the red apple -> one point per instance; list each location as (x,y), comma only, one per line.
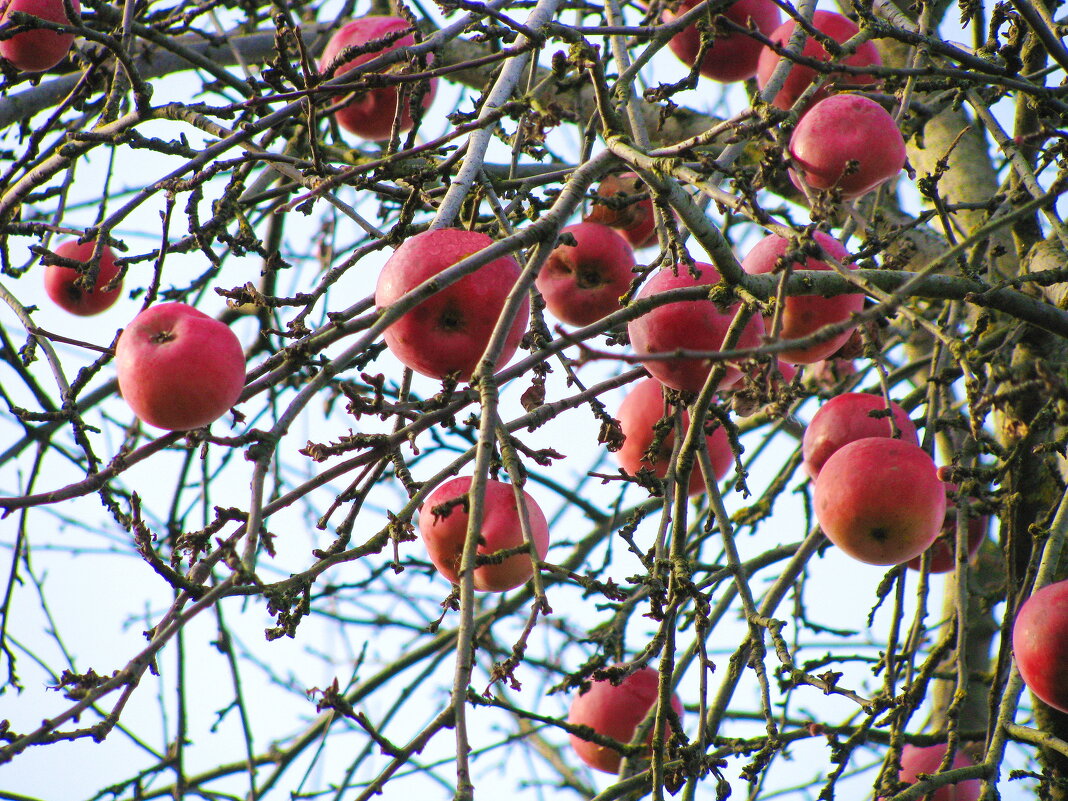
(916,760)
(614,710)
(370,113)
(443,527)
(838,28)
(880,500)
(732,56)
(803,315)
(943,550)
(179,368)
(846,142)
(63,286)
(582,283)
(848,417)
(640,411)
(449,331)
(688,325)
(1040,644)
(37,49)
(631,210)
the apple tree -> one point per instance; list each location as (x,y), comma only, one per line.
(546,398)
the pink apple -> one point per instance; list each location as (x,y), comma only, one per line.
(838,28)
(37,49)
(943,549)
(638,414)
(179,368)
(803,315)
(63,286)
(1040,644)
(370,113)
(917,759)
(848,417)
(631,209)
(732,56)
(614,710)
(449,331)
(687,325)
(880,500)
(846,142)
(582,283)
(443,526)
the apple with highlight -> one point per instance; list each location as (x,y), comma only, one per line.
(448,332)
(178,368)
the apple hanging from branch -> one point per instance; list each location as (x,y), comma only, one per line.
(178,368)
(64,284)
(443,521)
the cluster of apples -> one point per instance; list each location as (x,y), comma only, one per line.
(36,49)
(878,495)
(845,142)
(178,368)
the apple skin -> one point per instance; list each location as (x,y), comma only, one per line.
(444,536)
(583,283)
(614,711)
(37,50)
(880,500)
(733,57)
(688,325)
(1040,644)
(179,368)
(449,331)
(916,760)
(803,315)
(636,221)
(839,130)
(846,418)
(639,412)
(943,549)
(370,114)
(837,27)
(61,283)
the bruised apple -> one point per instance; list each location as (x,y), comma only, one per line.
(848,417)
(370,113)
(443,526)
(582,283)
(449,331)
(638,415)
(1040,644)
(614,710)
(943,549)
(628,209)
(837,27)
(927,759)
(846,142)
(178,368)
(880,500)
(36,49)
(733,55)
(698,325)
(803,315)
(63,283)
